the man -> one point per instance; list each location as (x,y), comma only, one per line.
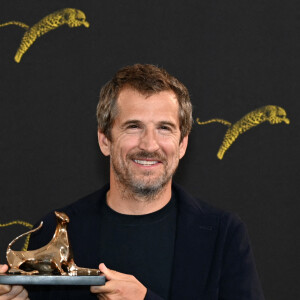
(161,242)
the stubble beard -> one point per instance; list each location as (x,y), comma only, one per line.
(142,185)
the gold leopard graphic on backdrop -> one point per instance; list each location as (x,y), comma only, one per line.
(271,113)
(69,16)
(26,224)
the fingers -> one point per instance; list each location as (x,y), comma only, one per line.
(109,288)
(17,292)
(4,289)
(120,289)
(21,296)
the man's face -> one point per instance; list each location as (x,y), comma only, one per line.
(145,147)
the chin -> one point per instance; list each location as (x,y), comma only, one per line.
(148,189)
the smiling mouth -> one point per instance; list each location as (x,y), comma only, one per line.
(146,162)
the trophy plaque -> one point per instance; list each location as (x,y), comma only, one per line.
(52,264)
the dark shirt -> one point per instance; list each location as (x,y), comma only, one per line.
(142,245)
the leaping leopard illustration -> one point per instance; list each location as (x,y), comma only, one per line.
(271,113)
(70,16)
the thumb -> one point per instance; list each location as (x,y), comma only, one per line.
(107,272)
(3,268)
(111,274)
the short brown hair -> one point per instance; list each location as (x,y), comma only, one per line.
(146,79)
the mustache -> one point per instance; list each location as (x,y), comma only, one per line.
(147,155)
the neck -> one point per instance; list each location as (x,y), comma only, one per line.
(124,201)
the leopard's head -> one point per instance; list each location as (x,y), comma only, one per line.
(75,17)
(61,217)
(276,114)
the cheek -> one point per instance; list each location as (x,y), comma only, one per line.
(170,148)
(125,145)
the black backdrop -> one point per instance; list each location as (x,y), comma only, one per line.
(234,56)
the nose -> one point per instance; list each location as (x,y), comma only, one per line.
(148,141)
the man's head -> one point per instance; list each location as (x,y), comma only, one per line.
(147,80)
(144,117)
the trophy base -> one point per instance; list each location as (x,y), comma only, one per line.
(51,280)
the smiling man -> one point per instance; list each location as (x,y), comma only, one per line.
(157,241)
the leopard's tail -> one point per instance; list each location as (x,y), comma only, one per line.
(20,24)
(19,222)
(26,233)
(224,122)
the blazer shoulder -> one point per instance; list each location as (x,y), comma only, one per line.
(88,204)
(201,208)
(86,208)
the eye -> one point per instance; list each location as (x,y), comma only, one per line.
(165,128)
(132,126)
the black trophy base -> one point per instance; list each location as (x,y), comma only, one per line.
(51,280)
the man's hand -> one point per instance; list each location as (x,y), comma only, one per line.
(12,292)
(119,286)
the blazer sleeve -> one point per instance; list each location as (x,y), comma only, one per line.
(239,279)
(152,296)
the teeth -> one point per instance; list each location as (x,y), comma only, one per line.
(146,162)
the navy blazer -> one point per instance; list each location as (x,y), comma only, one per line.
(212,256)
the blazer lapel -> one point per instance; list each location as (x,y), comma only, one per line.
(194,248)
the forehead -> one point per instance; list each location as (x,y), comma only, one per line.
(158,106)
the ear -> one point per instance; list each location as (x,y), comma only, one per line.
(183,146)
(104,143)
